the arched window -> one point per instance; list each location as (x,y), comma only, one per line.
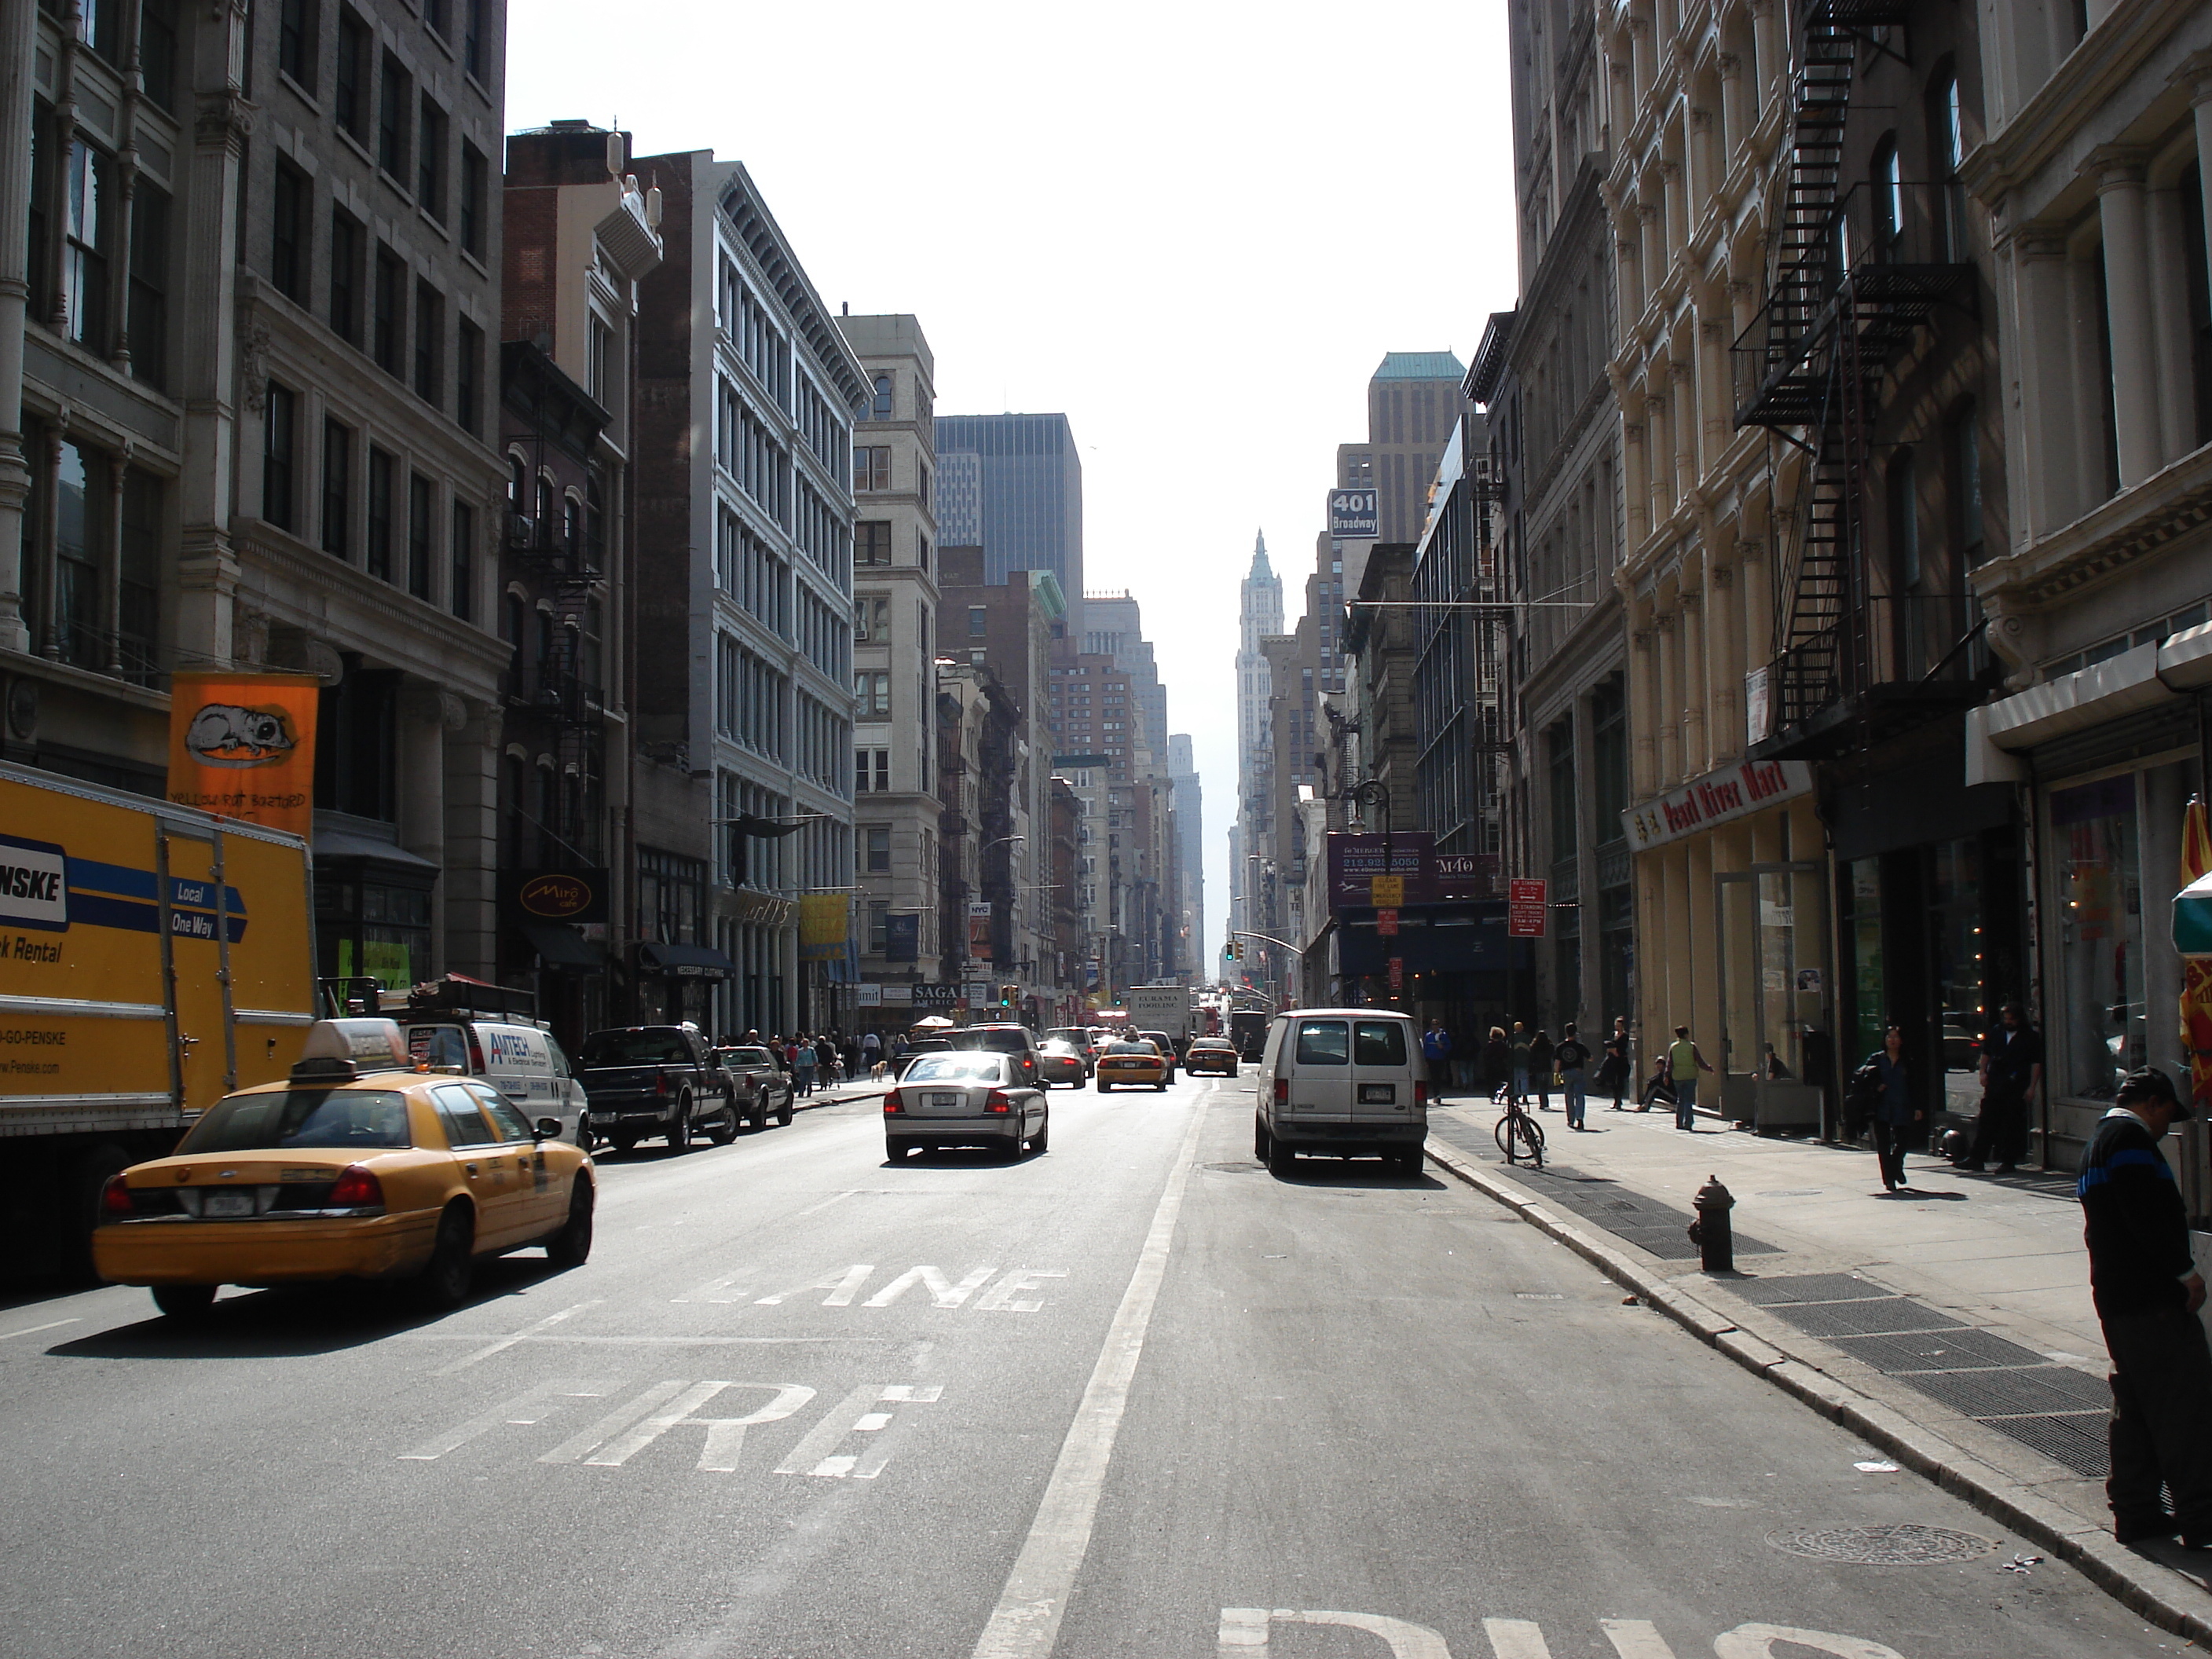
(1947,133)
(518,484)
(882,411)
(572,523)
(1888,183)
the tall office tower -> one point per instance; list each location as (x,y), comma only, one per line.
(1259,614)
(895,609)
(1026,483)
(747,396)
(1413,403)
(1114,628)
(1190,858)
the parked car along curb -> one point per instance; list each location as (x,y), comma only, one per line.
(2165,1597)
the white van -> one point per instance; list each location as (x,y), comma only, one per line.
(522,1061)
(1339,1082)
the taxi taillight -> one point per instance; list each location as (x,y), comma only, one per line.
(894,1103)
(356,1189)
(996,1101)
(115,1201)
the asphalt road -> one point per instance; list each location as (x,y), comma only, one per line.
(1131,1397)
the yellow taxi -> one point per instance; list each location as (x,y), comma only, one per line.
(1129,1060)
(361,1166)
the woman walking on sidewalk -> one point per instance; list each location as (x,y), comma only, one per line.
(1541,1062)
(1893,1112)
(1572,1056)
(1614,1073)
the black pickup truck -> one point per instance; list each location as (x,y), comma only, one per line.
(664,1080)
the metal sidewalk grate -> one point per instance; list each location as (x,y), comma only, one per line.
(1938,1351)
(1807,1287)
(2040,1391)
(2076,1440)
(1884,1315)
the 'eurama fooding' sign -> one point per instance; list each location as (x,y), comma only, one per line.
(1733,791)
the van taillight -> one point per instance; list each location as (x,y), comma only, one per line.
(476,1054)
(1420,1094)
(894,1103)
(996,1101)
(1282,1091)
(356,1189)
(115,1200)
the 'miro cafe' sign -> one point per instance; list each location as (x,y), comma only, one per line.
(1730,793)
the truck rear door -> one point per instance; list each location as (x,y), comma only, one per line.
(199,920)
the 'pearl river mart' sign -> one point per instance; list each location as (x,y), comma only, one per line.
(1733,791)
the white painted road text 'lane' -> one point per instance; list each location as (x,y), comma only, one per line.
(1244,1634)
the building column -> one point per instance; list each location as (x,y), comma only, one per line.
(2045,459)
(1669,702)
(1643,744)
(17,47)
(1724,643)
(2121,215)
(1696,683)
(45,557)
(111,564)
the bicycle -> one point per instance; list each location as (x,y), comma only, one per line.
(1518,1134)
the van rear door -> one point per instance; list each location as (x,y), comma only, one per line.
(1320,1068)
(1382,1070)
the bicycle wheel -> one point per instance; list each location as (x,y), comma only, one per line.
(1532,1135)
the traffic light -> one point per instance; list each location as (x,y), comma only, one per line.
(1008,995)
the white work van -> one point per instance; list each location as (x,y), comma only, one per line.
(521,1060)
(1341,1082)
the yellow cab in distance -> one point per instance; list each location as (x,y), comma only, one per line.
(363,1165)
(1131,1060)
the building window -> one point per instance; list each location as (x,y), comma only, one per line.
(474,174)
(1888,197)
(429,342)
(871,770)
(84,252)
(289,202)
(871,621)
(874,692)
(439,14)
(2100,915)
(979,621)
(419,497)
(295,41)
(393,90)
(468,377)
(277,438)
(383,478)
(148,320)
(1966,486)
(876,841)
(473,45)
(351,83)
(430,160)
(461,553)
(345,276)
(599,350)
(882,411)
(872,543)
(872,466)
(879,926)
(390,324)
(157,51)
(338,490)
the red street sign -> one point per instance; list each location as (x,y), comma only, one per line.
(1524,907)
(1386,922)
(1397,974)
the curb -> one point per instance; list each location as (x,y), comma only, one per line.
(2165,1597)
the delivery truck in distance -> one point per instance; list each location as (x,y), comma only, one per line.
(153,958)
(1160,1008)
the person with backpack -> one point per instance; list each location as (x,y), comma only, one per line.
(1571,1057)
(1882,1089)
(1684,1062)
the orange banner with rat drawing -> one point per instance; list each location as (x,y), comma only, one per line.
(244,745)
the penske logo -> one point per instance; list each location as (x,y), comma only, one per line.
(34,884)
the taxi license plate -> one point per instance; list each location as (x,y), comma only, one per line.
(227,1204)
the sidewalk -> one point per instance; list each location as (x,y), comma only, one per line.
(1949,1323)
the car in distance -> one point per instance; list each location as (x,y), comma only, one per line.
(1084,1041)
(1165,1044)
(1061,1062)
(358,1166)
(1002,1037)
(1215,1054)
(1129,1061)
(973,1099)
(656,1080)
(757,1081)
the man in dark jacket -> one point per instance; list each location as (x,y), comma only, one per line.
(2147,1291)
(2012,1071)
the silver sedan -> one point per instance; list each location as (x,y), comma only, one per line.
(972,1099)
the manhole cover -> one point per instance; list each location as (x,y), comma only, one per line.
(1906,1545)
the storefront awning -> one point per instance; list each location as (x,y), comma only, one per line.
(2136,679)
(560,946)
(2192,918)
(684,961)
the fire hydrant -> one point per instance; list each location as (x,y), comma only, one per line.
(1711,1232)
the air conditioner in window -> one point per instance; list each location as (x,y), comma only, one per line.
(521,530)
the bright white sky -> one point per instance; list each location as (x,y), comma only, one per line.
(1194,229)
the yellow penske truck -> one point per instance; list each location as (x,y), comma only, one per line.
(152,959)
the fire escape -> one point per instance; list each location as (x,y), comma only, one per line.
(1860,269)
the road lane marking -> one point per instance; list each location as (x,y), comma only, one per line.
(539,1403)
(1025,1624)
(943,1292)
(506,1342)
(33,1330)
(816,1456)
(726,1436)
(705,1293)
(842,1288)
(580,1446)
(816,1209)
(1245,1632)
(1757,1641)
(1635,1638)
(997,1299)
(1515,1638)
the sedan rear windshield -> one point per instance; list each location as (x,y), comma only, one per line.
(337,1118)
(957,1068)
(746,1057)
(635,1048)
(1003,1042)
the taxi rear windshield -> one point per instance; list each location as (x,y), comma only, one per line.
(635,1048)
(337,1118)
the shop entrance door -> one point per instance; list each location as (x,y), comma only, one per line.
(1774,1044)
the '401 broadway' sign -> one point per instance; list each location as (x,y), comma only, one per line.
(1730,793)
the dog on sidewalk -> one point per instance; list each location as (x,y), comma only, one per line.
(879,1071)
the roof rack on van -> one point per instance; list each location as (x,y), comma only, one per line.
(457,994)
